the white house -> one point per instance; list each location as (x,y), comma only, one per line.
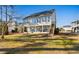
(11,26)
(66,29)
(75,26)
(40,22)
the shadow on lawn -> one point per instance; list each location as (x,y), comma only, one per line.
(27,50)
(33,47)
(39,47)
(34,44)
(34,36)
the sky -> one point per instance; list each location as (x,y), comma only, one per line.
(65,14)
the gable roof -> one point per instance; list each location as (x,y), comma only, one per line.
(67,26)
(39,13)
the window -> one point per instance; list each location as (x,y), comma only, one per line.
(34,21)
(44,19)
(45,28)
(39,28)
(48,18)
(39,20)
(32,29)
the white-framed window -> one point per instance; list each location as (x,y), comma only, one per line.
(43,18)
(39,29)
(39,20)
(34,21)
(48,18)
(45,28)
(32,29)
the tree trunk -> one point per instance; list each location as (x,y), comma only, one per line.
(2,37)
(6,32)
(52,30)
(53,25)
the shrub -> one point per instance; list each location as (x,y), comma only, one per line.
(56,30)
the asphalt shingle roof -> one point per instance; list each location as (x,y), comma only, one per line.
(39,13)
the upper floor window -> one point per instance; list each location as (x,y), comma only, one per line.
(39,20)
(44,19)
(34,21)
(48,18)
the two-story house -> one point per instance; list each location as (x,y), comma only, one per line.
(41,22)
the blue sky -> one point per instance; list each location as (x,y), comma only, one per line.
(65,14)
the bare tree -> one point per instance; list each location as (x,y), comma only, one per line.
(4,23)
(10,16)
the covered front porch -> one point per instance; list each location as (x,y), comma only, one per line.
(37,29)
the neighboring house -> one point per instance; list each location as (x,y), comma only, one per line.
(66,29)
(11,25)
(75,26)
(40,22)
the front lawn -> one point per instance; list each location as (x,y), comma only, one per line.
(14,44)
